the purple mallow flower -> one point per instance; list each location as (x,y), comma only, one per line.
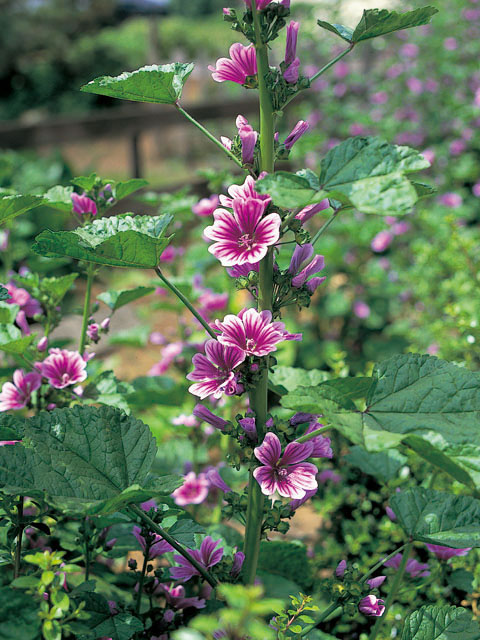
(83,204)
(250,427)
(246,191)
(208,556)
(245,235)
(414,568)
(381,241)
(253,332)
(213,373)
(371,606)
(303,265)
(248,138)
(375,583)
(244,269)
(296,133)
(287,475)
(175,597)
(295,504)
(445,553)
(215,480)
(202,413)
(238,560)
(17,395)
(63,368)
(194,490)
(452,200)
(241,64)
(206,206)
(159,546)
(292,63)
(321,445)
(341,568)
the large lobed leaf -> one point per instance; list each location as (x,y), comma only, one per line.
(431,405)
(161,84)
(85,454)
(440,518)
(432,622)
(119,241)
(379,22)
(364,172)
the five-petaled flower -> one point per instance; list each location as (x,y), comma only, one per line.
(156,546)
(208,556)
(245,235)
(288,475)
(214,371)
(253,332)
(63,368)
(372,606)
(194,490)
(241,64)
(17,395)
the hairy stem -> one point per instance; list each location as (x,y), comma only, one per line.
(186,302)
(86,308)
(324,227)
(18,546)
(209,135)
(212,581)
(393,591)
(259,396)
(308,436)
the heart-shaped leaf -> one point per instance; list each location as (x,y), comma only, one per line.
(440,623)
(436,517)
(119,241)
(161,84)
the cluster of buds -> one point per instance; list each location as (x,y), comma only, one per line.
(95,330)
(271,16)
(89,203)
(354,593)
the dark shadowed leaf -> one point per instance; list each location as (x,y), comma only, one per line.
(155,83)
(119,241)
(462,580)
(384,465)
(438,518)
(441,623)
(4,295)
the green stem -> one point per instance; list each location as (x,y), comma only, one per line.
(324,227)
(382,562)
(209,135)
(259,396)
(186,302)
(86,308)
(142,580)
(313,434)
(18,547)
(323,616)
(212,581)
(393,591)
(322,71)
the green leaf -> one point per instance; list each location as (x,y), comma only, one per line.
(462,580)
(441,623)
(379,22)
(19,615)
(290,190)
(431,405)
(108,390)
(116,299)
(84,453)
(369,174)
(101,622)
(8,312)
(185,529)
(118,241)
(124,189)
(4,295)
(11,426)
(423,190)
(85,182)
(158,488)
(159,84)
(438,518)
(155,390)
(286,559)
(384,465)
(289,378)
(60,198)
(13,206)
(12,340)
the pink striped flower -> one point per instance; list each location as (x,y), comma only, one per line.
(63,368)
(246,191)
(241,64)
(248,138)
(194,490)
(296,133)
(287,475)
(253,332)
(260,4)
(240,270)
(292,63)
(244,236)
(310,210)
(17,395)
(214,371)
(83,204)
(208,556)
